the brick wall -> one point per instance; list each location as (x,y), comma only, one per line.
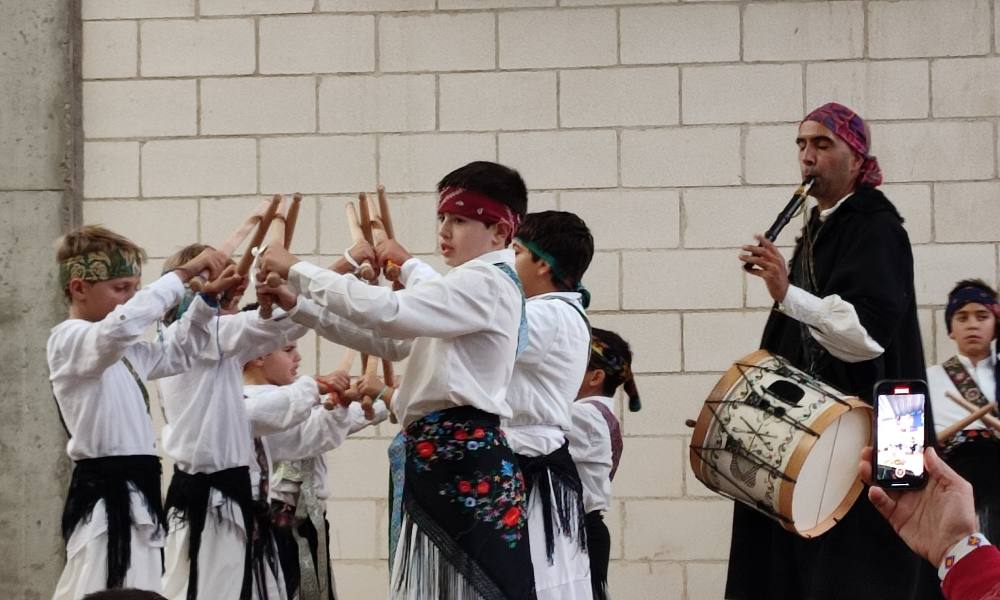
(668,126)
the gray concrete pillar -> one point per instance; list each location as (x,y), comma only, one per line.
(39,174)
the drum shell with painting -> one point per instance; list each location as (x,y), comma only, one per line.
(782,442)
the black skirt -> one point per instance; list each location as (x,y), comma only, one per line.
(188,497)
(465,524)
(107,478)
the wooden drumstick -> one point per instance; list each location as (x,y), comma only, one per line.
(265,222)
(392,270)
(233,241)
(954,428)
(357,234)
(989,420)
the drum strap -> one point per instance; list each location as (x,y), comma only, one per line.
(616,434)
(964,382)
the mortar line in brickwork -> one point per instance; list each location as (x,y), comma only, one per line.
(376,39)
(197,107)
(864,30)
(496,41)
(317,81)
(437,102)
(618,36)
(141,145)
(256,46)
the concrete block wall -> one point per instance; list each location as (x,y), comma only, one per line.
(669,126)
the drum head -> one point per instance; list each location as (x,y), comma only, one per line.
(827,485)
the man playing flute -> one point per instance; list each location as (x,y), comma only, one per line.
(845,312)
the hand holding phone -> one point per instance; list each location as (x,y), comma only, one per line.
(901,409)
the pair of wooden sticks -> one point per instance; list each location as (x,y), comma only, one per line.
(374,225)
(260,221)
(976,413)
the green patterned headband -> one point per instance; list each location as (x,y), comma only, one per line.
(556,269)
(100,266)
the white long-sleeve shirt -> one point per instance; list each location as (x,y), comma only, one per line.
(207,423)
(464,327)
(547,374)
(99,399)
(341,331)
(272,409)
(323,431)
(947,411)
(832,321)
(590,447)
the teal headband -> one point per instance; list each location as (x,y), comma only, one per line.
(556,270)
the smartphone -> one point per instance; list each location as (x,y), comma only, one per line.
(901,416)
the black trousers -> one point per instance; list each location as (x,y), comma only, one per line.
(599,547)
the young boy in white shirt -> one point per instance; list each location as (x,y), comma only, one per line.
(296,466)
(464,530)
(595,441)
(208,504)
(971,318)
(113,521)
(552,252)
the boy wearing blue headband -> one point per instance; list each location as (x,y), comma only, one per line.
(552,250)
(971,320)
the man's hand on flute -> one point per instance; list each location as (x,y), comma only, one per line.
(276,259)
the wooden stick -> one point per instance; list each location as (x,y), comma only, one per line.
(277,239)
(233,241)
(247,259)
(989,420)
(346,362)
(357,234)
(383,213)
(954,428)
(366,217)
(380,233)
(367,403)
(291,218)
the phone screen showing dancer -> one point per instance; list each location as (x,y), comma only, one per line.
(900,434)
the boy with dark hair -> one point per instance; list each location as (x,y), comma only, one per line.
(113,522)
(971,319)
(464,531)
(595,442)
(552,251)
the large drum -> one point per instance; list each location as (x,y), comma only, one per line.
(782,442)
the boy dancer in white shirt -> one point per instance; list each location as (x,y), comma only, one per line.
(464,531)
(113,522)
(971,319)
(209,506)
(297,452)
(595,441)
(552,252)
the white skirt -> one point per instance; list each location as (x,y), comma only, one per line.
(568,577)
(220,558)
(86,569)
